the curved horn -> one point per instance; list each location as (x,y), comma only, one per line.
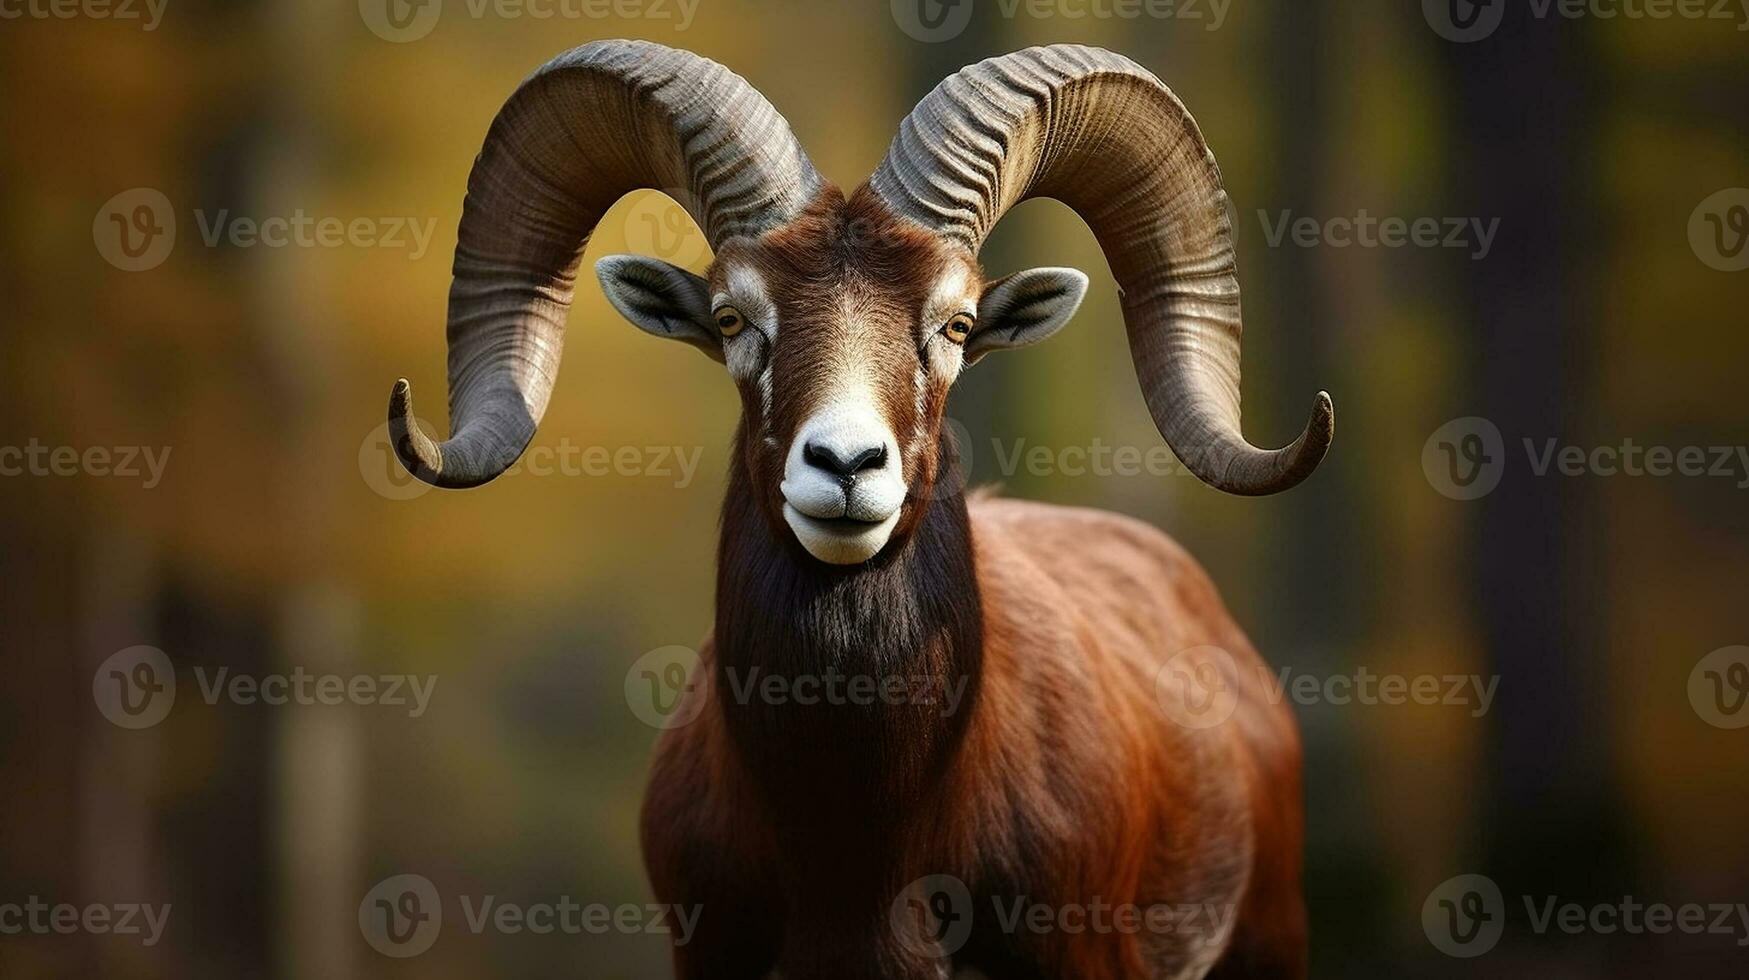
(588,127)
(1104,136)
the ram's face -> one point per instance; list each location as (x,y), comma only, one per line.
(843,338)
(843,331)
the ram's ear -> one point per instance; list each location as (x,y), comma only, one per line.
(1025,308)
(661,299)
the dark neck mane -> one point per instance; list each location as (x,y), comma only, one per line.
(907,622)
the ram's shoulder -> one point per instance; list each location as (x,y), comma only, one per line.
(1101,565)
(1082,538)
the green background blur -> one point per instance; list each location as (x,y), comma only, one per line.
(275,541)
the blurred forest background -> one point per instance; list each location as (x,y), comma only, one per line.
(276,538)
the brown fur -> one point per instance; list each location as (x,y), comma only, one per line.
(1060,778)
(854,250)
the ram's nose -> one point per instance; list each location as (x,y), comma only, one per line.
(841,465)
(843,485)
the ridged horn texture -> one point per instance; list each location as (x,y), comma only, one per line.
(1101,134)
(588,127)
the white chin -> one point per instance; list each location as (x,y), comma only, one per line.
(839,543)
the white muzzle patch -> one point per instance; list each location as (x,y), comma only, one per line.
(844,483)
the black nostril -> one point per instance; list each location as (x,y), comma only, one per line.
(819,456)
(868,459)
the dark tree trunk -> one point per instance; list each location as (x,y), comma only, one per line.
(1521,105)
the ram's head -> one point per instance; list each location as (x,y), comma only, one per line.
(844,320)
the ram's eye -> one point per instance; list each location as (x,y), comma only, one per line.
(729,320)
(958,328)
